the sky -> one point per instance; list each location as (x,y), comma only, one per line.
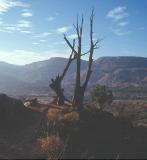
(32,30)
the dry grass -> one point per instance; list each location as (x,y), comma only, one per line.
(143,125)
(69,118)
(53,114)
(51,146)
(134,110)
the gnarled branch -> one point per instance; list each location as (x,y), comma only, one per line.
(93,46)
(56,83)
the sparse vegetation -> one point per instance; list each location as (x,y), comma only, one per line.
(62,134)
(102,95)
(70,118)
(51,146)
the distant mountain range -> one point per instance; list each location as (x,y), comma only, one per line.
(125,75)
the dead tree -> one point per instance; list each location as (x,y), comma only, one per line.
(80,88)
(56,84)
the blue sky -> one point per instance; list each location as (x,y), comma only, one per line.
(32,30)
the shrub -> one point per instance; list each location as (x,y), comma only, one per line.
(70,118)
(51,146)
(102,95)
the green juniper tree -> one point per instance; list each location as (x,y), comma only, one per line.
(102,95)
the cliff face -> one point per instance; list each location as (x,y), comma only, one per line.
(116,72)
(120,70)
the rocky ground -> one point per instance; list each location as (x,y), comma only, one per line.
(46,130)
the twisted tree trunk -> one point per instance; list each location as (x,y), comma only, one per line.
(80,89)
(56,84)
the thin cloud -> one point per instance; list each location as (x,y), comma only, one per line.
(24,24)
(118,13)
(51,18)
(42,40)
(43,35)
(6,5)
(1,21)
(5,31)
(142,28)
(59,43)
(8,28)
(27,14)
(27,32)
(122,24)
(35,43)
(119,32)
(73,36)
(63,29)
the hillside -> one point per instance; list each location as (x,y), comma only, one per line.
(59,132)
(123,74)
(121,70)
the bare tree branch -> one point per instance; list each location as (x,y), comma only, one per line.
(92,46)
(71,58)
(77,54)
(56,83)
(69,44)
(81,27)
(83,54)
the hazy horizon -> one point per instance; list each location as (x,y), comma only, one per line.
(33,31)
(67,58)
